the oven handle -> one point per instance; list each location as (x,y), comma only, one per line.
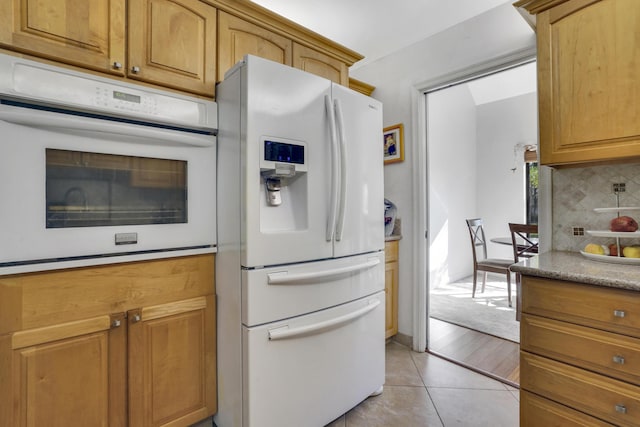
(285,332)
(62,122)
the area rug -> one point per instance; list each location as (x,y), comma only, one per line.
(488,312)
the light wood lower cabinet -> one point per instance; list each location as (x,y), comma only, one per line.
(391,287)
(66,374)
(538,412)
(151,364)
(580,354)
(171,363)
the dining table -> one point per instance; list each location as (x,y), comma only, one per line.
(520,242)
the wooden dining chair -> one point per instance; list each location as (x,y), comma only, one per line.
(480,260)
(524,246)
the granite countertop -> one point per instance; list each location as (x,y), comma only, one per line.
(574,267)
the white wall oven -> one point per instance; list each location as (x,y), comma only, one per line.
(93,168)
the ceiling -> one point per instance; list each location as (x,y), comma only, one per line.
(515,81)
(376,28)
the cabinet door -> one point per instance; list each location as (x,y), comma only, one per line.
(237,37)
(318,63)
(173,43)
(537,411)
(70,374)
(589,81)
(172,363)
(613,401)
(84,33)
(390,288)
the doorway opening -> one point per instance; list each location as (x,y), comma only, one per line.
(480,135)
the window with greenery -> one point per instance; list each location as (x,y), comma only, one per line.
(532,192)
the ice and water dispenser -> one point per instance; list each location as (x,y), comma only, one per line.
(283,170)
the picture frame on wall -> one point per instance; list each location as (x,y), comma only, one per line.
(393,143)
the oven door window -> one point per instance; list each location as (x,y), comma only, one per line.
(93,190)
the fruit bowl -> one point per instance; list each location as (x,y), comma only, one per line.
(611,259)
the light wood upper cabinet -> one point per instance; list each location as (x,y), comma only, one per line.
(88,34)
(184,45)
(588,80)
(173,43)
(315,62)
(237,37)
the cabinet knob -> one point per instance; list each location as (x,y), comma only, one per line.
(136,318)
(117,65)
(115,323)
(618,359)
(621,408)
(135,69)
(619,313)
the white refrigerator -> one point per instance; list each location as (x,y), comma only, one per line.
(300,263)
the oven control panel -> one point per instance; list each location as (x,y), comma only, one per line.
(34,82)
(125,101)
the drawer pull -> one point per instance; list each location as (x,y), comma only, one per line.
(619,313)
(621,409)
(618,359)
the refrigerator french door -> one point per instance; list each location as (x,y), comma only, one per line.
(300,264)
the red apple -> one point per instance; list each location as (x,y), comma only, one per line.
(623,223)
(613,249)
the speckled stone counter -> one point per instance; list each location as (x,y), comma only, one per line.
(574,267)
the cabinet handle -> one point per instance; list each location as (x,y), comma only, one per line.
(115,323)
(135,69)
(136,318)
(621,408)
(619,313)
(618,359)
(117,65)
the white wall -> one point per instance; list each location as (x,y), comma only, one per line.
(502,192)
(493,35)
(470,160)
(452,175)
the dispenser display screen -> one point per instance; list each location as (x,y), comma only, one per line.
(282,152)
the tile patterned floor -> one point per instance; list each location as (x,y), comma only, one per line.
(424,390)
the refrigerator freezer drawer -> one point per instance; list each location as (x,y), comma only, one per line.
(309,370)
(275,293)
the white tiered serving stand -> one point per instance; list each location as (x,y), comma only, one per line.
(614,234)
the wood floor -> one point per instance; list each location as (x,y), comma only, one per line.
(496,357)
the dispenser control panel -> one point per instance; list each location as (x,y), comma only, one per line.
(277,153)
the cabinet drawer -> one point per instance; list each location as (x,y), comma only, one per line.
(610,309)
(608,399)
(611,354)
(391,251)
(536,411)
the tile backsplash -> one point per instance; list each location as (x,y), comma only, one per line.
(577,191)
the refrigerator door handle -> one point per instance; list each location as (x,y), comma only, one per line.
(342,139)
(331,224)
(284,277)
(315,328)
